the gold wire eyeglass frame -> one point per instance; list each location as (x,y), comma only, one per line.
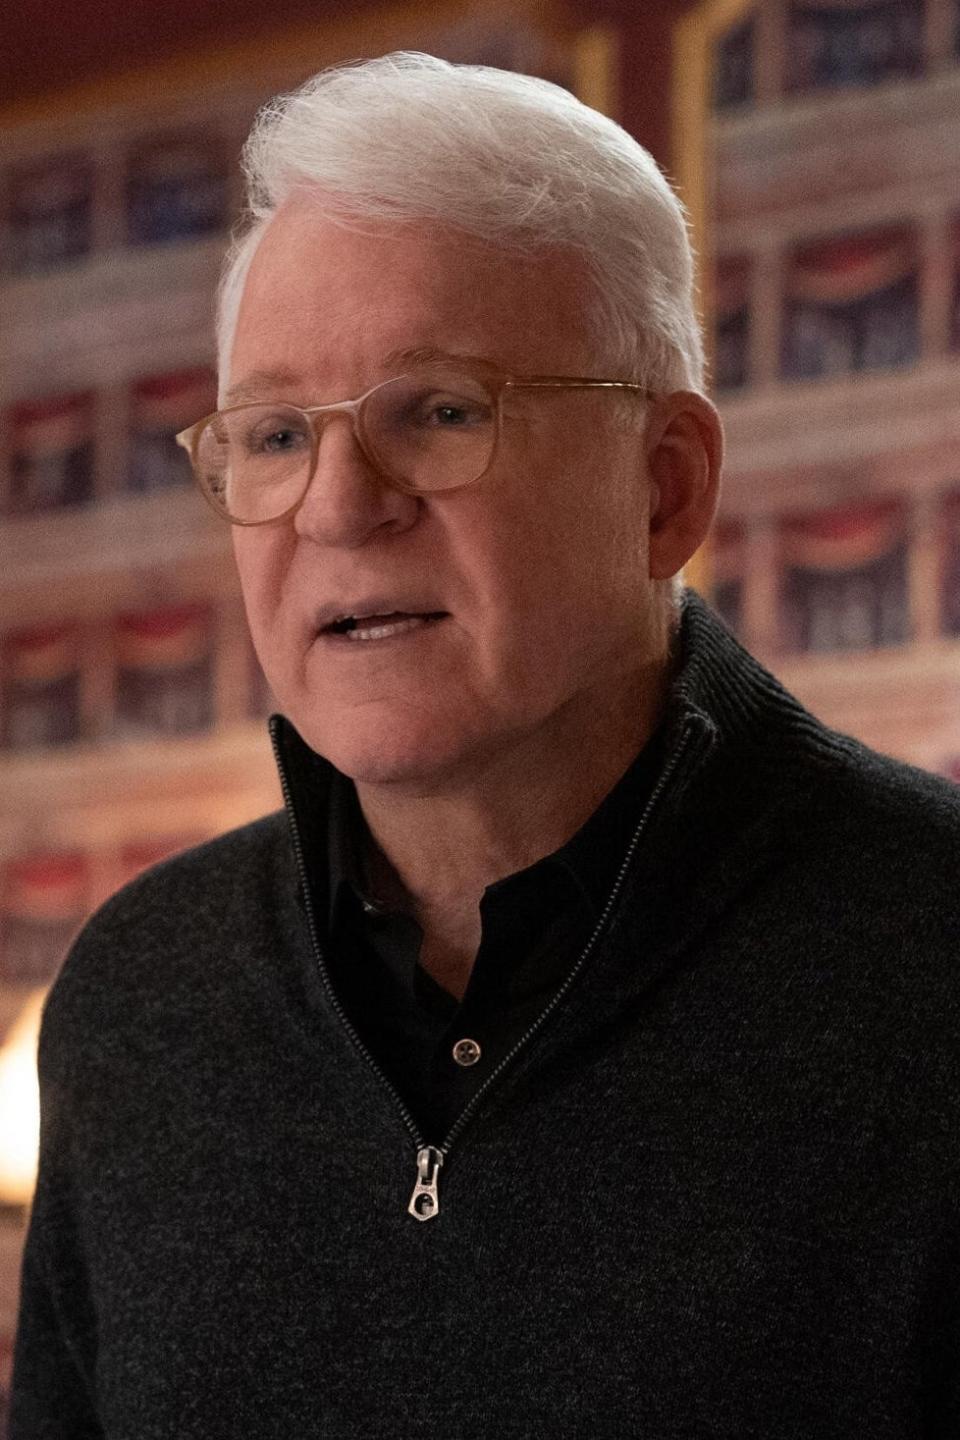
(495,382)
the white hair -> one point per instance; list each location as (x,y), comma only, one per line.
(503,157)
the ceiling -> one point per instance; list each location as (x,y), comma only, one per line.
(50,45)
(46,45)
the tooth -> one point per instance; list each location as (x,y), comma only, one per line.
(391,627)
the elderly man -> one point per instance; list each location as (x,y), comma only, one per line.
(578,1055)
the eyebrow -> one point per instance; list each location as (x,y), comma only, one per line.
(257,383)
(421,355)
(261,383)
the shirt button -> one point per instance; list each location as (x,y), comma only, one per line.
(466,1052)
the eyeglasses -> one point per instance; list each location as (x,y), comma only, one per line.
(436,428)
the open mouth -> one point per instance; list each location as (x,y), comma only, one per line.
(381,627)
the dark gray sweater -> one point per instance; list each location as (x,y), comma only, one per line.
(715,1193)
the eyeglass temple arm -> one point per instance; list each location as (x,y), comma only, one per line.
(570,382)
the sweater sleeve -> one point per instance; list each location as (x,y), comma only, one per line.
(941,1349)
(49,1399)
(55,1350)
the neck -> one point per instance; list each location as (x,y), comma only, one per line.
(436,851)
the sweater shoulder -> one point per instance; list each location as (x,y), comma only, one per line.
(179,925)
(880,797)
(198,886)
(882,838)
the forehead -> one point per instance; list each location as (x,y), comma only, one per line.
(329,302)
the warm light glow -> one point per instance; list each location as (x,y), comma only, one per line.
(20,1106)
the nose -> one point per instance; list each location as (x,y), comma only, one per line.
(348,500)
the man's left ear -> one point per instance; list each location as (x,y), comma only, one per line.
(684,450)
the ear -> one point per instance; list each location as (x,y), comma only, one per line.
(684,452)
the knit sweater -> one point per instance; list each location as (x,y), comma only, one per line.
(715,1192)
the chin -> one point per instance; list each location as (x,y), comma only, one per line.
(391,752)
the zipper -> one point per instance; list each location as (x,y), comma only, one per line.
(424,1201)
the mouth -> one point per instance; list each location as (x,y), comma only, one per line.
(366,628)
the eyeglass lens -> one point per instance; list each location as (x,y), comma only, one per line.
(433,429)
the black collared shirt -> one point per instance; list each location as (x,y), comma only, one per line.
(436,1050)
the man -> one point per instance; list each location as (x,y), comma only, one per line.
(578,1054)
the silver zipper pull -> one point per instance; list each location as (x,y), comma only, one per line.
(425,1202)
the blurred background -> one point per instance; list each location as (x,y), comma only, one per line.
(817,146)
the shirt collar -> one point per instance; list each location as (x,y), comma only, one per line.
(346,828)
(589,858)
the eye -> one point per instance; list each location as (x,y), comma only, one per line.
(275,435)
(279,440)
(415,409)
(446,414)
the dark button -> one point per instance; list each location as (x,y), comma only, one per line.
(466,1052)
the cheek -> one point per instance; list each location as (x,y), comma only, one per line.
(593,599)
(533,600)
(259,556)
(584,553)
